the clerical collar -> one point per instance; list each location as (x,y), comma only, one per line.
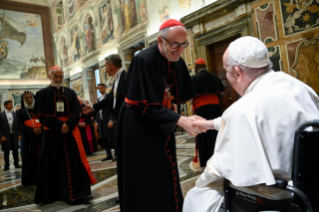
(201,70)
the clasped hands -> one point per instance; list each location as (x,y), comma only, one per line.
(37,131)
(193,124)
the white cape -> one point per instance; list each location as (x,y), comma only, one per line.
(255,138)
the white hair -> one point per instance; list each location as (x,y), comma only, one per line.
(252,72)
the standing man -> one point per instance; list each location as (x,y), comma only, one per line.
(256,134)
(206,104)
(113,102)
(103,117)
(31,131)
(9,134)
(157,79)
(64,172)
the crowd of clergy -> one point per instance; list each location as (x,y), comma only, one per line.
(249,143)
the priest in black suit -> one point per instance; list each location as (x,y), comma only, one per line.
(9,135)
(206,104)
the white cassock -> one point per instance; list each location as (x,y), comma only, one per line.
(255,141)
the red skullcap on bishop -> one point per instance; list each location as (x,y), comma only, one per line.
(170,23)
(200,61)
(55,67)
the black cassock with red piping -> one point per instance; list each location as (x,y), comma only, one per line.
(147,166)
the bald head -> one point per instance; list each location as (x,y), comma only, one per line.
(172,41)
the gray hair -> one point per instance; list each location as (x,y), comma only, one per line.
(50,71)
(252,72)
(163,32)
(115,59)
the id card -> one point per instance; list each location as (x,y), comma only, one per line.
(60,107)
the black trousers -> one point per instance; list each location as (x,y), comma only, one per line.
(106,141)
(15,154)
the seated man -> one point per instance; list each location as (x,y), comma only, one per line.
(256,133)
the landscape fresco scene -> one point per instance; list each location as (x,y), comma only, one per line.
(21,46)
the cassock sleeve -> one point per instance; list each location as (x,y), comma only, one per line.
(73,121)
(102,104)
(164,118)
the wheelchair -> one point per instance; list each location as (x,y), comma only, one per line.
(305,177)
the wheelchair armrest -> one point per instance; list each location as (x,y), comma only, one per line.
(280,183)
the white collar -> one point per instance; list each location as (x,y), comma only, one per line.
(118,74)
(8,111)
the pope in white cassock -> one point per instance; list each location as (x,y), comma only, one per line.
(256,133)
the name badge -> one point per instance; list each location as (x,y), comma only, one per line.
(60,107)
(37,121)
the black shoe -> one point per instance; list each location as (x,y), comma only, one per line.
(18,166)
(6,169)
(114,159)
(86,199)
(107,158)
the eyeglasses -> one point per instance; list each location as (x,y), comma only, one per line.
(176,45)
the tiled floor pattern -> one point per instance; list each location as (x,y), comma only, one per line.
(19,198)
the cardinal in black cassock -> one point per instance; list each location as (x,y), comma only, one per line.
(64,172)
(147,166)
(206,104)
(31,131)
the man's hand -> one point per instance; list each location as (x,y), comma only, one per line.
(65,129)
(87,109)
(186,123)
(96,126)
(37,131)
(110,124)
(82,124)
(4,139)
(204,125)
(19,138)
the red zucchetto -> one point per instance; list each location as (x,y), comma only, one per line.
(55,67)
(200,61)
(170,23)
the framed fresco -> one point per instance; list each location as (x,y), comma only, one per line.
(26,45)
(77,86)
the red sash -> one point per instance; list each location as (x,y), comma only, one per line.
(210,99)
(32,123)
(77,136)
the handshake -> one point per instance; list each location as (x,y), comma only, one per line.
(195,124)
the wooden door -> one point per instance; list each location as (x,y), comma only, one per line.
(229,96)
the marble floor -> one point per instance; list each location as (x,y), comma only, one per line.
(15,197)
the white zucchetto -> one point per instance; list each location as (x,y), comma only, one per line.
(249,52)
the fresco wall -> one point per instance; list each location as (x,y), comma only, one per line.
(21,46)
(90,27)
(291,32)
